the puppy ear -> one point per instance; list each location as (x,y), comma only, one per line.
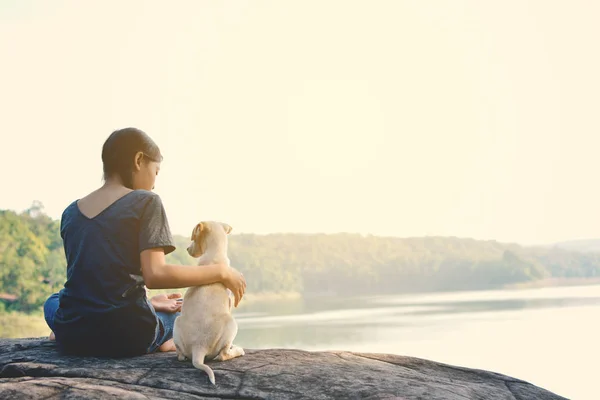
(197,230)
(227,228)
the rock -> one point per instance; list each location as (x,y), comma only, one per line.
(32,368)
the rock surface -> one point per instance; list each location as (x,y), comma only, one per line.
(33,369)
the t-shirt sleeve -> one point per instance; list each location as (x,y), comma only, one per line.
(154,227)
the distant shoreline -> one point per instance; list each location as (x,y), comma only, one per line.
(251,297)
(540,284)
(553,282)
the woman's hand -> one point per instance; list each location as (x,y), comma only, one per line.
(234,281)
(167,303)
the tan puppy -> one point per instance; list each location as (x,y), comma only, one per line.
(206,329)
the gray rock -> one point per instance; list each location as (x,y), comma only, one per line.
(33,369)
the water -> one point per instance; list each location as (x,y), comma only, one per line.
(546,336)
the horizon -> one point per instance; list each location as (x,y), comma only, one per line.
(392,119)
(561,242)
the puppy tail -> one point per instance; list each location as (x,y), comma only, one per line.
(198,361)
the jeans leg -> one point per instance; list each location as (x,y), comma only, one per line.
(50,307)
(167,322)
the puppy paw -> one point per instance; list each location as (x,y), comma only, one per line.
(237,350)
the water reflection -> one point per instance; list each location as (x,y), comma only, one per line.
(511,332)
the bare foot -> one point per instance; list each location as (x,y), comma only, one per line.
(167,303)
(51,337)
(169,345)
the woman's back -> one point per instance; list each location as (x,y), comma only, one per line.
(103,260)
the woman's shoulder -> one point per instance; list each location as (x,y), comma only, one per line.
(139,202)
(143,197)
(70,208)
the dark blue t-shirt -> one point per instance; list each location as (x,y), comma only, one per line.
(103,308)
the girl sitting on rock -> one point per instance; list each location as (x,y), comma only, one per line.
(115,242)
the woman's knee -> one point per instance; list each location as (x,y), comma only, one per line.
(50,307)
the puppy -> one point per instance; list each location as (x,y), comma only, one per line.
(206,329)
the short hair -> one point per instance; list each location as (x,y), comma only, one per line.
(119,150)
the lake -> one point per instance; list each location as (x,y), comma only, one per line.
(547,336)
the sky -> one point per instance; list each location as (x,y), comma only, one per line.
(396,118)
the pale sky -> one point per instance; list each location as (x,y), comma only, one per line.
(401,118)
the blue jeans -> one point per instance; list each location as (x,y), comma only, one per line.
(166,321)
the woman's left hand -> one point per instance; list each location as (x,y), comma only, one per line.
(170,303)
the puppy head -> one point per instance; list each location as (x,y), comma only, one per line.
(205,234)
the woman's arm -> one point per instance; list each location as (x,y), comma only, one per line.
(160,275)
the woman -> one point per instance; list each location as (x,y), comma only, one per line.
(115,241)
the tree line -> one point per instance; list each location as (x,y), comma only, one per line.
(32,262)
